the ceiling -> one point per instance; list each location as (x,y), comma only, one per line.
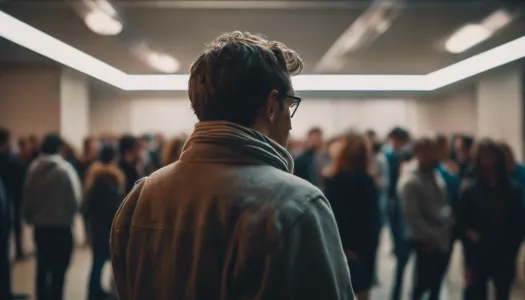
(413,44)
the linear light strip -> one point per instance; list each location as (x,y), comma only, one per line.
(31,38)
(40,42)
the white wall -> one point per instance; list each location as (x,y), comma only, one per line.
(29,101)
(450,113)
(500,107)
(74,107)
(172,115)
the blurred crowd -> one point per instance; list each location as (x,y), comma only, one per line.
(429,191)
(46,182)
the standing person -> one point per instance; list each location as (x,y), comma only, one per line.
(463,149)
(129,158)
(516,169)
(104,186)
(5,230)
(12,173)
(89,156)
(428,219)
(309,164)
(395,153)
(491,222)
(51,198)
(354,197)
(229,220)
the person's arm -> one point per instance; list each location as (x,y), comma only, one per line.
(29,197)
(313,263)
(119,238)
(518,219)
(74,186)
(464,211)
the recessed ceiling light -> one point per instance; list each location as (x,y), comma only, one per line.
(467,37)
(497,20)
(103,24)
(162,62)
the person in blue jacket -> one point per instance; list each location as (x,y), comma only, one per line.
(398,139)
(515,168)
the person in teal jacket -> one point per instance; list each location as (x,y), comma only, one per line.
(516,169)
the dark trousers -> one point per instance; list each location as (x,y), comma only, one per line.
(17,226)
(401,248)
(502,275)
(430,268)
(5,267)
(95,286)
(54,248)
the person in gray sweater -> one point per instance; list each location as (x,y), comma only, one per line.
(52,196)
(428,218)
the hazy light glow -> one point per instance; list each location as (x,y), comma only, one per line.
(467,37)
(101,23)
(105,6)
(497,20)
(162,62)
(38,41)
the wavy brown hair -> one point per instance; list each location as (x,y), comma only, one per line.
(353,155)
(231,79)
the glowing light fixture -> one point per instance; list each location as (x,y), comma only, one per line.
(102,23)
(162,62)
(38,41)
(497,20)
(467,37)
(470,35)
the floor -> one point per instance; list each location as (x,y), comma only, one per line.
(77,277)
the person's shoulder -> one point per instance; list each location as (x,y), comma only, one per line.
(126,209)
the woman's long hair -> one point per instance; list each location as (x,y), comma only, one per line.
(352,155)
(500,165)
(171,151)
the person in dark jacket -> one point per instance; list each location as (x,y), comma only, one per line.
(104,186)
(463,149)
(129,158)
(310,163)
(5,228)
(353,194)
(490,220)
(12,173)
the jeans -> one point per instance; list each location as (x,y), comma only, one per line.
(54,248)
(430,269)
(401,246)
(95,287)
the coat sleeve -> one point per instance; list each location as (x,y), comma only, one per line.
(313,262)
(119,239)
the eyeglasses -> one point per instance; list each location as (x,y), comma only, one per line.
(294,105)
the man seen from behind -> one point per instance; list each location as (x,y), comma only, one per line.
(229,220)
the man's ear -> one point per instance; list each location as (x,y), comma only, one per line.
(271,104)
